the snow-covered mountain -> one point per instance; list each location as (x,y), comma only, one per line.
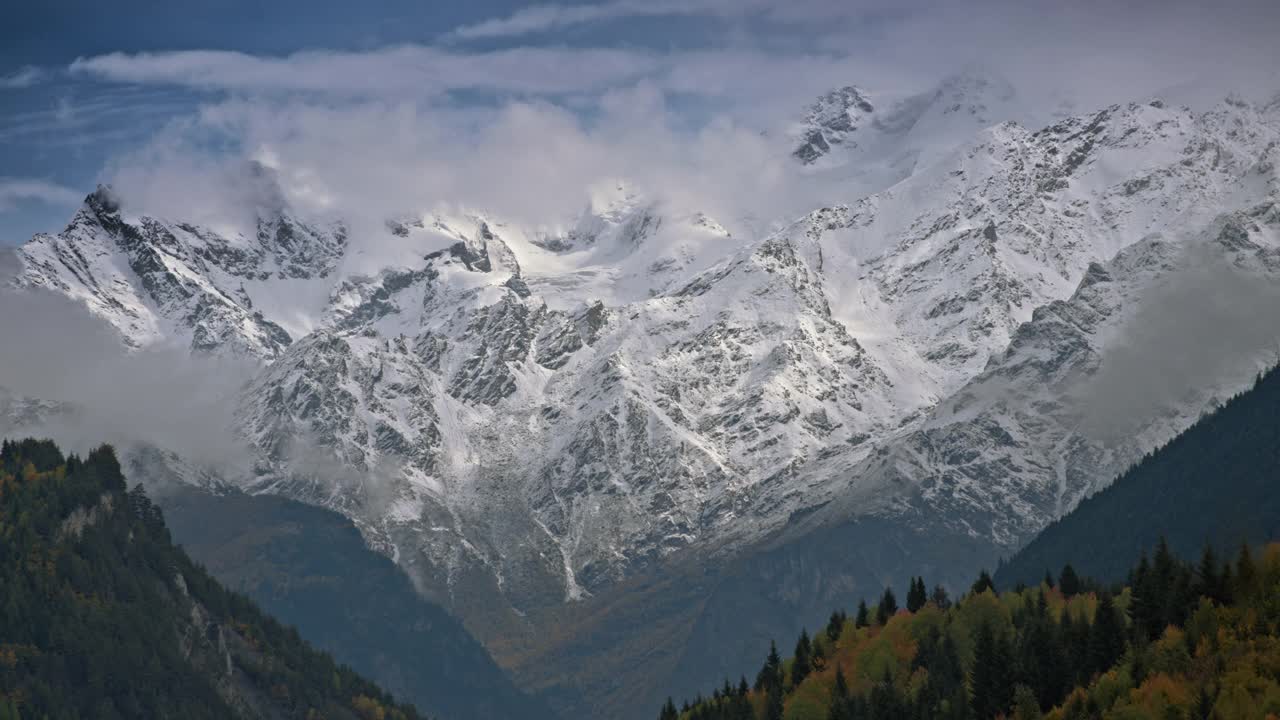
(867,141)
(559,408)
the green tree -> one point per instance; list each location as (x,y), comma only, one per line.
(917,595)
(1069,581)
(1246,574)
(835,625)
(1106,637)
(983,583)
(839,707)
(1208,577)
(990,681)
(861,619)
(887,608)
(801,662)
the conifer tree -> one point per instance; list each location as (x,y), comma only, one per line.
(1106,637)
(887,608)
(835,625)
(917,596)
(861,619)
(1246,573)
(669,711)
(1145,602)
(983,583)
(773,703)
(839,707)
(1069,582)
(771,674)
(940,597)
(992,687)
(1025,704)
(1208,579)
(800,665)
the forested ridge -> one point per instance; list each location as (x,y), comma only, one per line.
(1177,640)
(1215,483)
(101,616)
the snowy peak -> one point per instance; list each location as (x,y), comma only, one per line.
(159,281)
(882,142)
(832,119)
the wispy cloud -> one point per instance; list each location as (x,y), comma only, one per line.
(408,70)
(545,18)
(19,190)
(552,17)
(22,78)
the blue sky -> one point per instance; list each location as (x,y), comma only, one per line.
(157,95)
(57,131)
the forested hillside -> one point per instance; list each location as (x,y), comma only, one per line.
(101,616)
(1179,641)
(1216,483)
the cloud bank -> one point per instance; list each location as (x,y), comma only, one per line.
(522,131)
(55,351)
(17,190)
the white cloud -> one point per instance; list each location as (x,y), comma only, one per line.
(407,70)
(528,162)
(22,78)
(18,190)
(548,18)
(544,18)
(383,132)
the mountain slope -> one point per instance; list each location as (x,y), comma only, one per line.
(103,617)
(1215,483)
(311,569)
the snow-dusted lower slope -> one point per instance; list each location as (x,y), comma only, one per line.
(556,408)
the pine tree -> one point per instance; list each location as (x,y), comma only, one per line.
(917,596)
(1106,637)
(885,700)
(669,711)
(1025,704)
(835,626)
(940,597)
(887,608)
(773,703)
(1048,579)
(983,584)
(1145,602)
(838,709)
(800,665)
(1069,582)
(771,674)
(1246,574)
(992,687)
(861,620)
(1208,579)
